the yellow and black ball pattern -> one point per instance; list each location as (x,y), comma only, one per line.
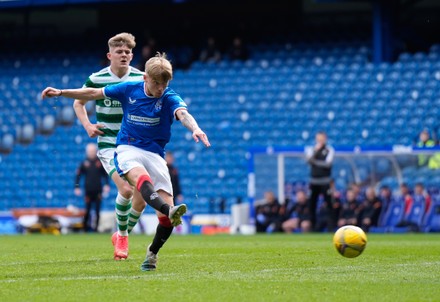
(350,241)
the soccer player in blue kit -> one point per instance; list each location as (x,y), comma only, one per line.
(149,108)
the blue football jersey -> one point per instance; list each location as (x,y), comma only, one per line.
(147,120)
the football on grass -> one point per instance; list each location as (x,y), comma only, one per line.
(350,241)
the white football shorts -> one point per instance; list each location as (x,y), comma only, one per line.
(128,157)
(107,158)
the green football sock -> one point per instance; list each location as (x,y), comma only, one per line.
(123,207)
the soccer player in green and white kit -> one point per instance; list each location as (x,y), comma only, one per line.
(109,117)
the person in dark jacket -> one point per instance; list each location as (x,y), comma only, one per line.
(320,159)
(96,182)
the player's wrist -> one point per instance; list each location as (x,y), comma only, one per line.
(60,92)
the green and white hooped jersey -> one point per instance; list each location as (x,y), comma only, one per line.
(108,111)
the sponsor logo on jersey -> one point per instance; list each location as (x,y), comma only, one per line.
(147,121)
(112,103)
(131,101)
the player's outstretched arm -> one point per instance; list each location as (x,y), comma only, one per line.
(81,113)
(190,123)
(86,94)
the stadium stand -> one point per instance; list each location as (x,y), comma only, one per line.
(279,96)
(291,85)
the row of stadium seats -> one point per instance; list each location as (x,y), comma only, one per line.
(394,219)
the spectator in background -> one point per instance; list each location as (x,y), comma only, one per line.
(296,215)
(238,50)
(425,141)
(267,213)
(175,179)
(357,191)
(370,209)
(405,197)
(385,196)
(148,51)
(420,195)
(96,182)
(320,159)
(350,210)
(210,53)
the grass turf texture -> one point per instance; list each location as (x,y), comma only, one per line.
(295,267)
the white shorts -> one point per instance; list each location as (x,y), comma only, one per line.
(107,158)
(128,157)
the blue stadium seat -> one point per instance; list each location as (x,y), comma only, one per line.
(416,214)
(391,218)
(431,222)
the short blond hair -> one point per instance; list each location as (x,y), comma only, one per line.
(122,39)
(159,68)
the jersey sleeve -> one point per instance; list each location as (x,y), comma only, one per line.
(115,91)
(176,102)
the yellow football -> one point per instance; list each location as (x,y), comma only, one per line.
(350,241)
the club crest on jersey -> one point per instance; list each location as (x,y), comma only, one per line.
(158,105)
(112,103)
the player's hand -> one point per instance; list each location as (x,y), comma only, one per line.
(93,130)
(198,135)
(50,92)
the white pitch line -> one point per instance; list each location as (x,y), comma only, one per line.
(78,278)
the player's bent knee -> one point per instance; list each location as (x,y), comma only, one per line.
(126,191)
(142,179)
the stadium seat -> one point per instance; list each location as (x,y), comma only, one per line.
(432,219)
(391,219)
(416,214)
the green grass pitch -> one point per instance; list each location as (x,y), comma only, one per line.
(297,267)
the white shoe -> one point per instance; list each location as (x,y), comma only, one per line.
(176,214)
(150,261)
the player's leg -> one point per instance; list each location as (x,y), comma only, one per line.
(131,162)
(137,208)
(163,232)
(123,204)
(144,185)
(125,191)
(163,190)
(122,210)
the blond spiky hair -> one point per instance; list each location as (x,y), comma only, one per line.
(159,68)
